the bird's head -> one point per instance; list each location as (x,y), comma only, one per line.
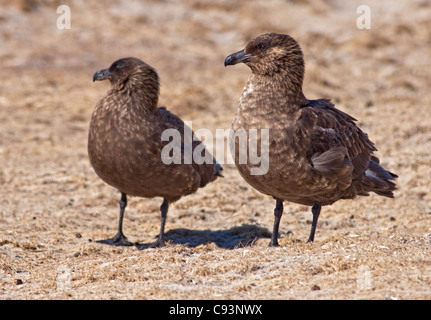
(126,70)
(132,76)
(269,54)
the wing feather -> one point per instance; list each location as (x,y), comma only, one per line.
(331,128)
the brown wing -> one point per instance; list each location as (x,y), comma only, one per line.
(206,171)
(329,129)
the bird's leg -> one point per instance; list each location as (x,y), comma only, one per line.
(316,212)
(119,239)
(164,212)
(278,212)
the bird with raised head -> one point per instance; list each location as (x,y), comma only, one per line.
(125,144)
(317,154)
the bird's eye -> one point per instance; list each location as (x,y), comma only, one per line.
(260,46)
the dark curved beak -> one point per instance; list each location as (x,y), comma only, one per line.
(236,57)
(101,75)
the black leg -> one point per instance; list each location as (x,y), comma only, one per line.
(119,239)
(278,212)
(164,212)
(316,212)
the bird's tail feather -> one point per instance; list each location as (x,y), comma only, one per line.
(379,180)
(218,169)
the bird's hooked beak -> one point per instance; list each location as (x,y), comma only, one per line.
(236,57)
(101,75)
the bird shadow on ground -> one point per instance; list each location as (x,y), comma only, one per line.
(232,238)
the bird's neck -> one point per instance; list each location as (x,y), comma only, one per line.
(142,96)
(282,88)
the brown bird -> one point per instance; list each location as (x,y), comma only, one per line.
(125,143)
(317,154)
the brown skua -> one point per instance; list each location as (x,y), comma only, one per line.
(317,154)
(125,143)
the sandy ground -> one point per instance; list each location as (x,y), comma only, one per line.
(53,206)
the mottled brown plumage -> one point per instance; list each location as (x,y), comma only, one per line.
(125,144)
(317,154)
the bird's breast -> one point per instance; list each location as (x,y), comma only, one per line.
(289,175)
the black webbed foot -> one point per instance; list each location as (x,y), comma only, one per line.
(118,240)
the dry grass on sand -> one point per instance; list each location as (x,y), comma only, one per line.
(52,203)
